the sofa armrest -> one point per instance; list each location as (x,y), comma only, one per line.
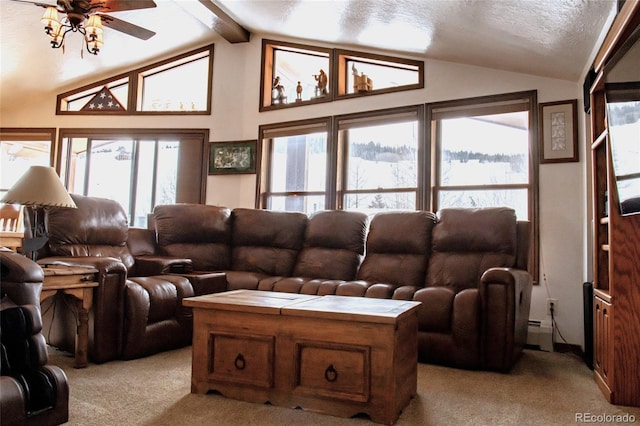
(146,266)
(21,278)
(505,299)
(105,337)
(104,265)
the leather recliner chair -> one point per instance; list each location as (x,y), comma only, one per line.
(132,315)
(31,391)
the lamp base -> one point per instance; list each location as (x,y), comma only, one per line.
(30,246)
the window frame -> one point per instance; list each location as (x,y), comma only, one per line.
(43,134)
(195,135)
(466,107)
(343,56)
(264,153)
(338,72)
(134,79)
(269,47)
(374,118)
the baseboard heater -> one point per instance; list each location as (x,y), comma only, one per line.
(540,334)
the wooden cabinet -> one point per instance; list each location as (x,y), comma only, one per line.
(616,237)
(602,311)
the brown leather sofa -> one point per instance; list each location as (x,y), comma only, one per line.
(468,268)
(31,391)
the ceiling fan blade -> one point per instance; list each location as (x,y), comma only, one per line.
(126,27)
(121,5)
(45,5)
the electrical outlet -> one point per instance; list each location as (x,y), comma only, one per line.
(554,303)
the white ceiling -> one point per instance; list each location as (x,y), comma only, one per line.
(552,38)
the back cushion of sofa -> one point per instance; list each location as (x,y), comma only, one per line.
(198,232)
(97,227)
(398,248)
(333,245)
(467,242)
(266,241)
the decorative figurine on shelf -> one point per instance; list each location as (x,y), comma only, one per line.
(321,87)
(361,83)
(277,92)
(299,92)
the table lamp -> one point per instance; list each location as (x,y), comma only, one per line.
(39,187)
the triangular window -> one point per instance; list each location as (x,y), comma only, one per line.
(178,85)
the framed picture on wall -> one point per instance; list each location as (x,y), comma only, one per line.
(232,157)
(559,131)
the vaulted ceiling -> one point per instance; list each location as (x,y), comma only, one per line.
(551,38)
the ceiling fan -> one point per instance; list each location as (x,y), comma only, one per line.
(87,18)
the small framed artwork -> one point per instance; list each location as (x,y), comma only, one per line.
(559,131)
(232,157)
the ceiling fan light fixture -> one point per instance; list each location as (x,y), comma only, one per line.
(51,21)
(94,43)
(57,39)
(94,25)
(57,30)
(86,17)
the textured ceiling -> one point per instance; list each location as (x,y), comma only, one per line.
(552,38)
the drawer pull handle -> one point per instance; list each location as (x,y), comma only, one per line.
(240,363)
(330,374)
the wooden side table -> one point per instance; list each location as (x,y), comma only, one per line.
(77,282)
(11,240)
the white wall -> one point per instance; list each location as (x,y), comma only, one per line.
(235,116)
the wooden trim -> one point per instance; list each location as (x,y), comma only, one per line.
(625,22)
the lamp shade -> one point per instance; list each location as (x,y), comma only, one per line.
(40,186)
(50,16)
(94,25)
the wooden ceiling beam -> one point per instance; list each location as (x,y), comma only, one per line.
(210,14)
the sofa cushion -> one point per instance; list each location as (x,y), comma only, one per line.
(467,242)
(198,232)
(333,245)
(398,248)
(266,242)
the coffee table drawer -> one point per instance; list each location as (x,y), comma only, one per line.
(246,359)
(333,370)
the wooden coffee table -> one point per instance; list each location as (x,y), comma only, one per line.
(337,355)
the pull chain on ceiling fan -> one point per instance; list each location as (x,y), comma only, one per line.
(77,12)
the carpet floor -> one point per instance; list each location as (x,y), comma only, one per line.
(543,389)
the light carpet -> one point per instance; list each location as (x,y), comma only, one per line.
(543,389)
